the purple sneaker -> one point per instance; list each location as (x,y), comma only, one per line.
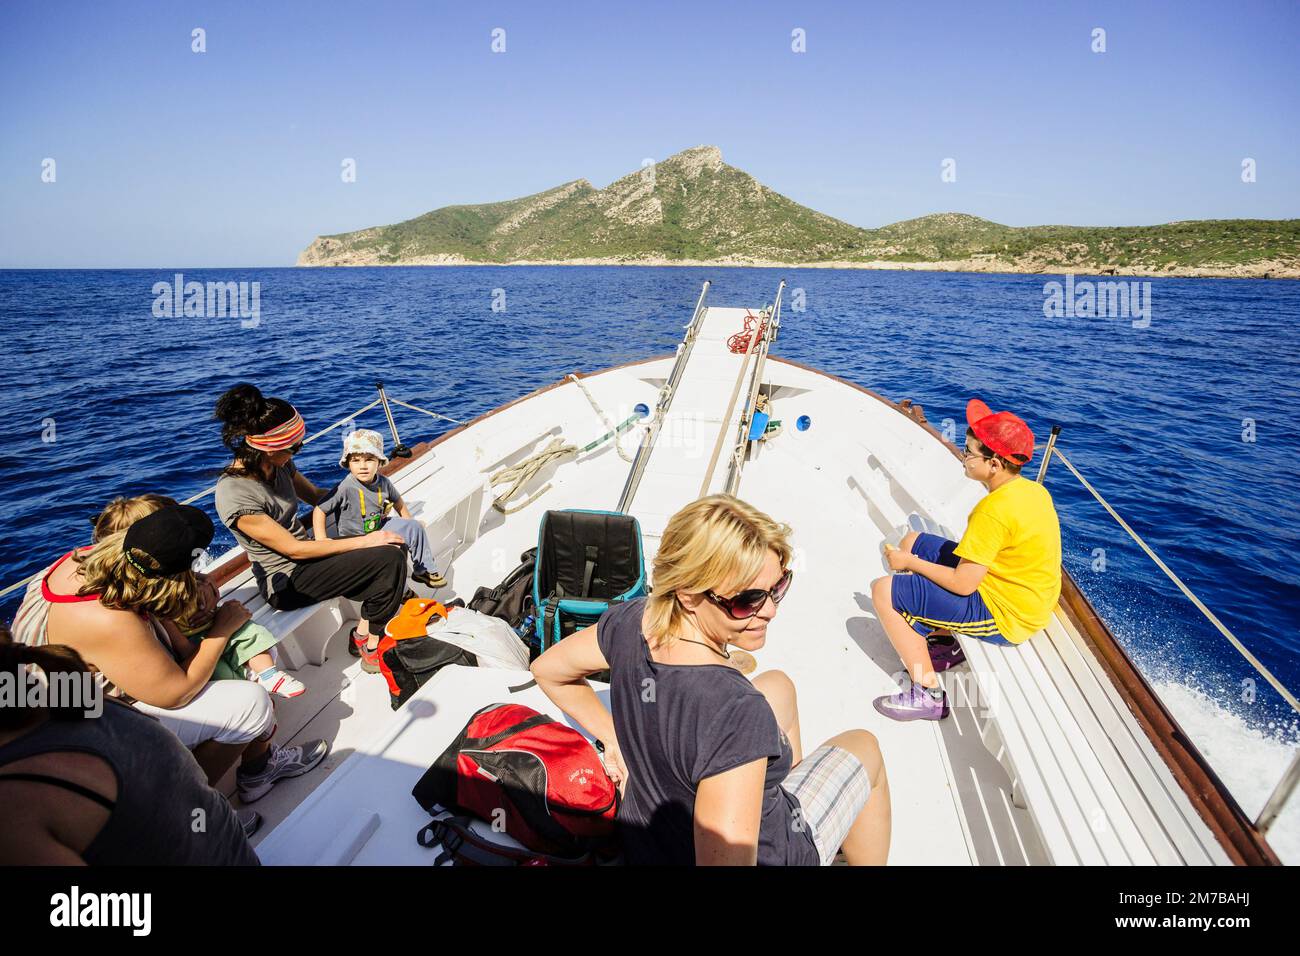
(945,652)
(912,703)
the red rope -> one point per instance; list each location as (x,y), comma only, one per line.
(739,343)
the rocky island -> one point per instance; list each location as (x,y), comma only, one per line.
(694,209)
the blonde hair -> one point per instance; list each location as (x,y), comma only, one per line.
(713,544)
(120,513)
(109,575)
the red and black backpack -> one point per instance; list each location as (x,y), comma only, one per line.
(537,779)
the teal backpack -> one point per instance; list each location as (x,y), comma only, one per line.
(586,561)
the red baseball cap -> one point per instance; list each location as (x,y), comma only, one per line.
(1004,433)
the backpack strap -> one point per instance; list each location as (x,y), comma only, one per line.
(528,723)
(550,621)
(558,627)
(589,569)
(460,844)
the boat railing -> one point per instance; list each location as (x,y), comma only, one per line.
(755,382)
(663,403)
(383,400)
(1286,786)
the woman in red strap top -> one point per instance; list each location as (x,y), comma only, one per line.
(113,604)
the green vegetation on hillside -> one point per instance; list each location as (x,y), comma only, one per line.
(692,206)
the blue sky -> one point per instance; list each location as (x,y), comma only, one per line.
(232,157)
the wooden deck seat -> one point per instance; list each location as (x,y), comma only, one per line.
(1097,791)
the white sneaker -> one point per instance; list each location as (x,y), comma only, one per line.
(283,762)
(278,682)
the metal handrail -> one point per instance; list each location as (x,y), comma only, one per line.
(747,412)
(306,441)
(1291,778)
(666,393)
(751,348)
(399,449)
(1280,795)
(417,408)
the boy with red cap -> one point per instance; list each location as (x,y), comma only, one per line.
(998,584)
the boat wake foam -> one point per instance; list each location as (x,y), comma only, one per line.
(1248,756)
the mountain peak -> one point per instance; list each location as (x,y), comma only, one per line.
(702,157)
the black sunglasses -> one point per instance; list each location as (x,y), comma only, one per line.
(748,603)
(295,448)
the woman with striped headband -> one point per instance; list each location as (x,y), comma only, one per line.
(257,499)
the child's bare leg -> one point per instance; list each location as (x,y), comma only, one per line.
(363,631)
(260,662)
(867,842)
(911,647)
(780,694)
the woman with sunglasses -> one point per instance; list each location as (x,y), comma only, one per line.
(710,765)
(257,499)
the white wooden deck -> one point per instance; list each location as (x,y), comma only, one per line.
(1087,785)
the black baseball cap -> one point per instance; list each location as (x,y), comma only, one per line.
(169,537)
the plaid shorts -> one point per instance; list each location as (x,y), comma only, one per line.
(832,787)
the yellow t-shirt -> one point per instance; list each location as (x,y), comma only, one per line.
(1014,533)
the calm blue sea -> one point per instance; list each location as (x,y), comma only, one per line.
(1154,416)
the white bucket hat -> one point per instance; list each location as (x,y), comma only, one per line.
(363,441)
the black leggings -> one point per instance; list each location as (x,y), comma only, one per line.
(374,576)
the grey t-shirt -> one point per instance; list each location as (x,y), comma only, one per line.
(680,724)
(248,496)
(344,503)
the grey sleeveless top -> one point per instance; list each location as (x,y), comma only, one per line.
(165,813)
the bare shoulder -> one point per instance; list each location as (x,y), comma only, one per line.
(50,823)
(75,766)
(87,624)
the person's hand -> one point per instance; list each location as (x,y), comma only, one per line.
(376,538)
(231,616)
(209,595)
(898,559)
(614,765)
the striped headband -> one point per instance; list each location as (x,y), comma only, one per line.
(280,437)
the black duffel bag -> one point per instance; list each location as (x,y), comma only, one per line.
(408,665)
(512,599)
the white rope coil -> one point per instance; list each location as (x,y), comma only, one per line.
(518,475)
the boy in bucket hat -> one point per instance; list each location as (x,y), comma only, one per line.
(366,501)
(998,584)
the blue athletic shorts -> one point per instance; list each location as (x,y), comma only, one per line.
(928,607)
